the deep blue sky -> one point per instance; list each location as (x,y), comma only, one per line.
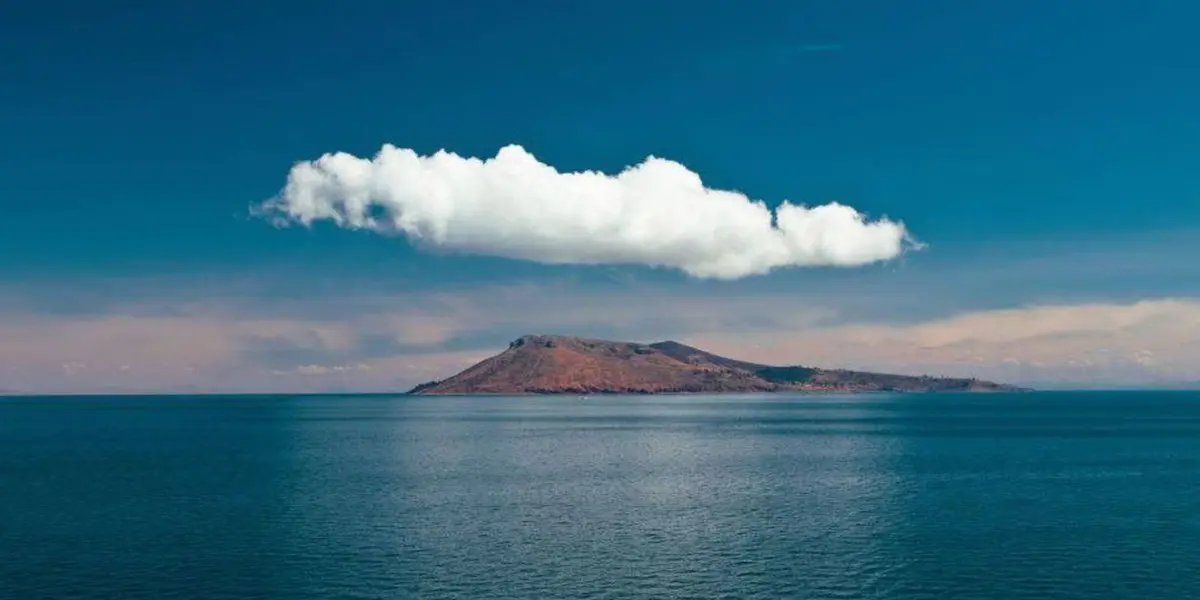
(136,133)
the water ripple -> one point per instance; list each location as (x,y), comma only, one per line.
(896,498)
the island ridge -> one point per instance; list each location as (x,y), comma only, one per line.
(553,364)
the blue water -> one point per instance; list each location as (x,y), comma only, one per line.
(1032,496)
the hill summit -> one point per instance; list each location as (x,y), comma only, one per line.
(554,364)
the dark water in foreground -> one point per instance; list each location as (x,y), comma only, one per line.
(1048,495)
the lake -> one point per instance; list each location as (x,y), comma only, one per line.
(1005,497)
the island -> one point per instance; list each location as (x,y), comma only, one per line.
(555,364)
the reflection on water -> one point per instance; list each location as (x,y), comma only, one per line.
(658,496)
(1043,495)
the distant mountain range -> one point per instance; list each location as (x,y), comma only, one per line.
(552,364)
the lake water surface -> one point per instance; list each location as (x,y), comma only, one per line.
(1005,497)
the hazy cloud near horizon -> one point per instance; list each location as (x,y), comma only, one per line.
(411,338)
(656,213)
(1148,342)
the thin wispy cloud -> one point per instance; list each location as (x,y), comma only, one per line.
(392,343)
(1147,341)
(977,315)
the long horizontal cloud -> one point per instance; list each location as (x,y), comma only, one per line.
(657,213)
(394,342)
(1150,341)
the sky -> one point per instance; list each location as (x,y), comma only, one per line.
(246,197)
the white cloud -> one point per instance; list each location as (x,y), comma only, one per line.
(657,213)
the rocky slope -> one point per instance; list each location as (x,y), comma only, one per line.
(545,364)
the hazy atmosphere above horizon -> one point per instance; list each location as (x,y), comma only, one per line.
(246,197)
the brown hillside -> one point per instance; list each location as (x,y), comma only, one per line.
(546,364)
